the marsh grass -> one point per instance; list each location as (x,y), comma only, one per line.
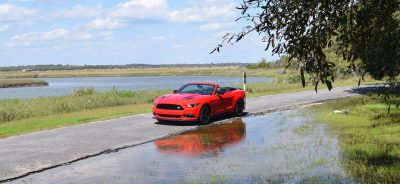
(41,123)
(181,71)
(8,83)
(370,137)
(82,91)
(303,129)
(82,99)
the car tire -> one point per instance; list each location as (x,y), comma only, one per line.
(205,115)
(239,107)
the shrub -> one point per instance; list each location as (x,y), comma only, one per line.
(294,78)
(261,64)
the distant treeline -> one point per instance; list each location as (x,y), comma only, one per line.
(82,67)
(264,63)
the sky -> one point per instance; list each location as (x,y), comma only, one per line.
(79,32)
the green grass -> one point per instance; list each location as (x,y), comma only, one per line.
(82,99)
(8,83)
(67,119)
(303,130)
(370,137)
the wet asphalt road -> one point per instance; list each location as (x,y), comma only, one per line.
(278,147)
(21,155)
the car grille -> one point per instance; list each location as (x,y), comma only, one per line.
(169,107)
(169,116)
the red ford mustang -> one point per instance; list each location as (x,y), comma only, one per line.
(199,102)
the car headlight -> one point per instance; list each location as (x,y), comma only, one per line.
(192,105)
(155,103)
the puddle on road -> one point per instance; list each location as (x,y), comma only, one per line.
(277,147)
(203,142)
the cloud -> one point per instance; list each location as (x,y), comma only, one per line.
(81,12)
(207,12)
(27,39)
(186,15)
(107,23)
(147,11)
(10,12)
(213,26)
(141,9)
(132,11)
(219,11)
(158,38)
(145,4)
(162,38)
(87,21)
(178,46)
(84,36)
(55,38)
(4,28)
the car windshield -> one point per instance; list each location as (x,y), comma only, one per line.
(203,89)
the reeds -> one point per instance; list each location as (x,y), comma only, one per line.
(82,99)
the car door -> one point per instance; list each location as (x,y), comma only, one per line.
(218,104)
(227,100)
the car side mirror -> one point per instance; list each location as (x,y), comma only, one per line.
(219,92)
(175,91)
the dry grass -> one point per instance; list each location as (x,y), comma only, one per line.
(199,71)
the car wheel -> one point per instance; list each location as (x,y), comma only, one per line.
(205,115)
(239,107)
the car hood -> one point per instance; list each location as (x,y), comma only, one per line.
(179,97)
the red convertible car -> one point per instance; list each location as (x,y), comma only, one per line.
(199,102)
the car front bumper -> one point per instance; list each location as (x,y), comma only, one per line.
(187,114)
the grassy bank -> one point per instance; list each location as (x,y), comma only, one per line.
(370,137)
(41,123)
(85,105)
(10,83)
(82,99)
(199,71)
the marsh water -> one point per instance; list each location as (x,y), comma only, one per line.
(65,86)
(280,147)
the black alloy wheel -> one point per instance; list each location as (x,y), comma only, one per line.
(239,108)
(205,115)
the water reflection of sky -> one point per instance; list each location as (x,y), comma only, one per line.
(261,149)
(64,86)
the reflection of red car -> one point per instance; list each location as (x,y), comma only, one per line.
(205,140)
(199,102)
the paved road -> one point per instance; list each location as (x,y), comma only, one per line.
(21,155)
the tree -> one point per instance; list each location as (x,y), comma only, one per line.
(301,29)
